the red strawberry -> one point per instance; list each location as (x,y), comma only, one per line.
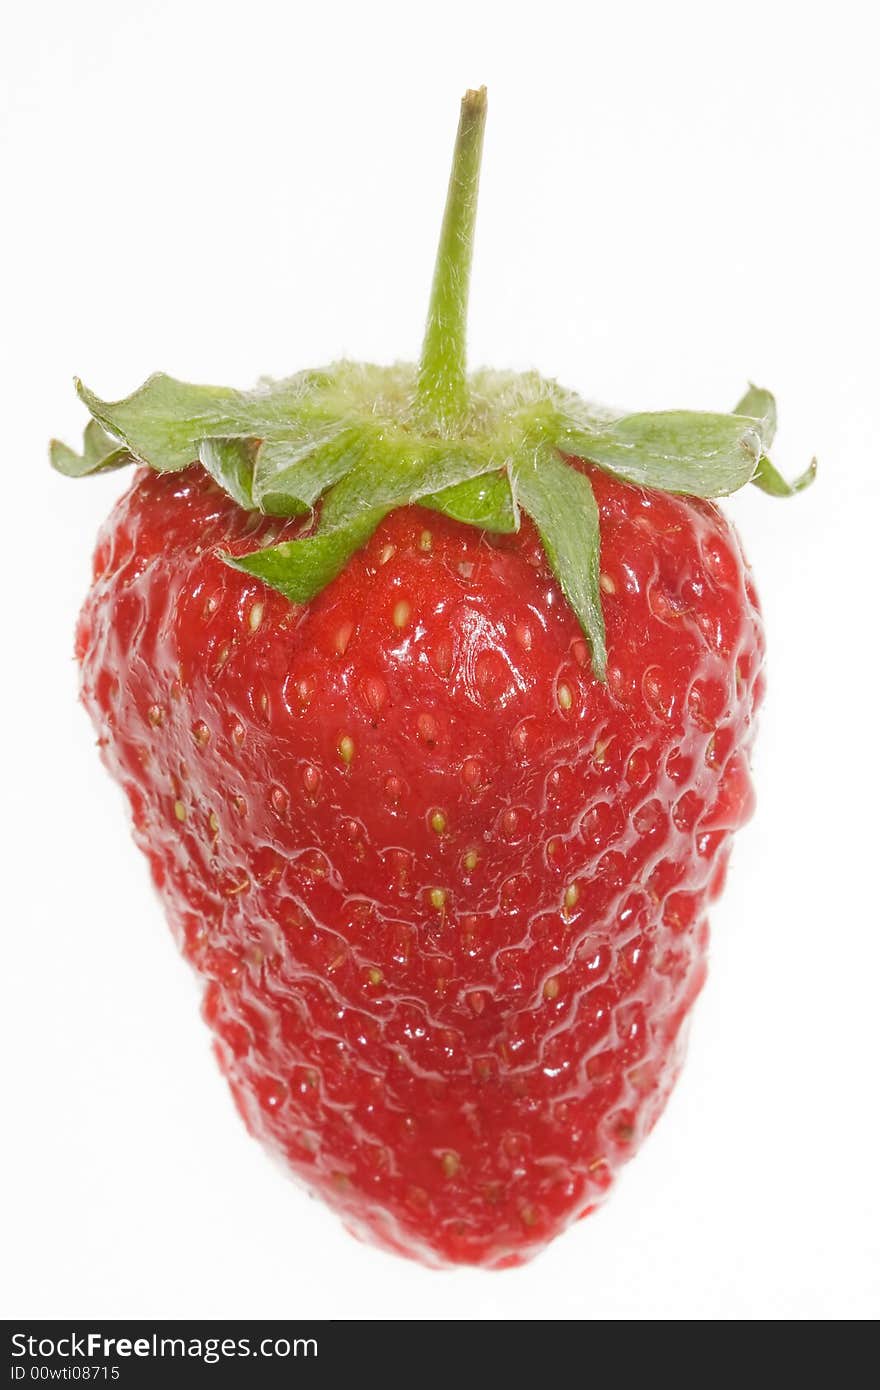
(436,775)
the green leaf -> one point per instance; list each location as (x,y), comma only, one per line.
(230,463)
(486,502)
(762,407)
(691,452)
(408,472)
(354,437)
(291,474)
(101,452)
(769,480)
(560,501)
(353,509)
(759,405)
(300,569)
(164,421)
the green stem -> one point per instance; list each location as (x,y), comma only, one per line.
(442,392)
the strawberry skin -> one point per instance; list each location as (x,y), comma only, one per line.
(446,889)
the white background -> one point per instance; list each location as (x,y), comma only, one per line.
(676,198)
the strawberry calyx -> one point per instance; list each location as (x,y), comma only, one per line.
(351,442)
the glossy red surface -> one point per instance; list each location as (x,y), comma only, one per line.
(448,894)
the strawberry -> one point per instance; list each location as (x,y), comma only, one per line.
(432,695)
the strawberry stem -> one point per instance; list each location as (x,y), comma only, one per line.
(442,392)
